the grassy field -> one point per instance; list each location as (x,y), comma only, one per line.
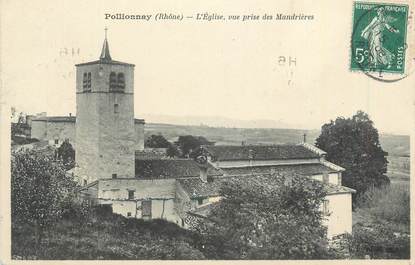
(398,169)
(110,237)
(395,145)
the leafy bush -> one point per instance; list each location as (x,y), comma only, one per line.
(390,203)
(39,188)
(270,217)
(379,242)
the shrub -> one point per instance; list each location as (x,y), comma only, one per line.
(262,217)
(379,242)
(390,203)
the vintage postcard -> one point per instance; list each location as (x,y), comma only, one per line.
(206,130)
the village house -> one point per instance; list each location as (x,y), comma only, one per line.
(114,168)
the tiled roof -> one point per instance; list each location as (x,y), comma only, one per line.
(336,189)
(204,210)
(299,169)
(139,121)
(260,152)
(196,188)
(57,119)
(71,119)
(170,168)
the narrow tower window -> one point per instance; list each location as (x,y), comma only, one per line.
(113,81)
(120,81)
(116,106)
(86,82)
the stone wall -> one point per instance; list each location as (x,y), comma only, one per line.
(38,130)
(51,131)
(61,131)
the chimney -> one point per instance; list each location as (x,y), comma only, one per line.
(70,114)
(305,137)
(203,173)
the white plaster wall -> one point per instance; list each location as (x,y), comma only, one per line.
(115,192)
(124,207)
(317,177)
(139,134)
(144,189)
(334,178)
(340,219)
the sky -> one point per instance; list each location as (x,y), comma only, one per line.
(229,69)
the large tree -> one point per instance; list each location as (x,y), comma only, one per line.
(267,217)
(66,153)
(157,141)
(39,187)
(189,144)
(353,143)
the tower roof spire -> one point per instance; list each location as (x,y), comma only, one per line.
(105,53)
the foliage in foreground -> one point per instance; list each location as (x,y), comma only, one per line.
(267,218)
(379,242)
(106,236)
(39,187)
(66,153)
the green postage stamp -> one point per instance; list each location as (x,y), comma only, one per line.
(379,37)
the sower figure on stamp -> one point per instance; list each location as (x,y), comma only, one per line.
(374,34)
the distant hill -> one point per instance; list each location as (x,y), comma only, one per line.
(396,145)
(217,121)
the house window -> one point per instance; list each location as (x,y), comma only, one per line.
(326,207)
(116,108)
(120,81)
(131,195)
(146,209)
(85,182)
(56,141)
(113,81)
(114,175)
(129,214)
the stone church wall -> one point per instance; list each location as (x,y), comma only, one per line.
(105,124)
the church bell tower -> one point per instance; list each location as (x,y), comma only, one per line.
(105,136)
